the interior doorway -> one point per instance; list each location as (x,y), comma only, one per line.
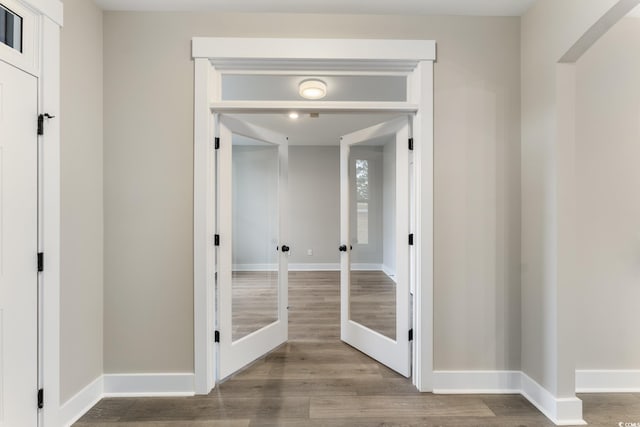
(407,63)
(365,236)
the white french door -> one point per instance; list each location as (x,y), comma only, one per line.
(18,248)
(374,230)
(253,251)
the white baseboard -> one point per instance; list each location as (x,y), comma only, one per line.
(328,266)
(124,385)
(320,266)
(563,412)
(391,273)
(476,382)
(73,409)
(255,267)
(365,266)
(140,385)
(608,381)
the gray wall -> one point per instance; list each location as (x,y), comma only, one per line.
(81,302)
(255,206)
(549,29)
(314,189)
(608,201)
(149,179)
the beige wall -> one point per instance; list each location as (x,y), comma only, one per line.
(149,174)
(81,302)
(608,202)
(549,29)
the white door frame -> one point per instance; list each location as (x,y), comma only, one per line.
(41,58)
(216,56)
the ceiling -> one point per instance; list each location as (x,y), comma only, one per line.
(384,7)
(635,13)
(324,130)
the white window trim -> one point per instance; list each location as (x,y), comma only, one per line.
(213,57)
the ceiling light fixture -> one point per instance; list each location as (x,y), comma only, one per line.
(312,89)
(293,115)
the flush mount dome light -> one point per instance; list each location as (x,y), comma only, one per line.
(312,89)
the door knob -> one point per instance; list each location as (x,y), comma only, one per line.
(285,248)
(343,248)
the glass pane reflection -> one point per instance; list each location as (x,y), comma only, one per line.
(372,221)
(255,235)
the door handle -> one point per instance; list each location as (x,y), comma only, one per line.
(285,248)
(343,248)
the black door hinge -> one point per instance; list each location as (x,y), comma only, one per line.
(41,118)
(410,144)
(411,334)
(216,143)
(216,240)
(40,398)
(216,336)
(411,239)
(40,262)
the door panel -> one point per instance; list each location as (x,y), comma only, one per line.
(375,311)
(253,265)
(18,248)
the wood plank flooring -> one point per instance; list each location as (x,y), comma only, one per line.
(315,380)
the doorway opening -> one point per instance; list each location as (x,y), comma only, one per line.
(273,192)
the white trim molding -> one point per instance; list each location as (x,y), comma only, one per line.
(562,411)
(477,382)
(148,385)
(78,405)
(321,54)
(322,266)
(608,381)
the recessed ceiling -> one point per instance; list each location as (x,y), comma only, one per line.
(384,7)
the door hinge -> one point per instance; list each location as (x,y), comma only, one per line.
(216,143)
(410,144)
(41,118)
(216,240)
(216,336)
(411,334)
(411,239)
(41,398)
(40,262)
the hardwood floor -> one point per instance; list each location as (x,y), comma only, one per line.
(315,380)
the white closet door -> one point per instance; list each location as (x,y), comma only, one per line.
(253,251)
(18,248)
(375,311)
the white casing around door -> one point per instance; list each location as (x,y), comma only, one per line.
(394,353)
(18,248)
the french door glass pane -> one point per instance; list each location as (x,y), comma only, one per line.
(255,235)
(373,238)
